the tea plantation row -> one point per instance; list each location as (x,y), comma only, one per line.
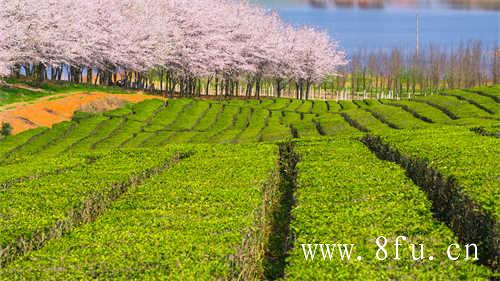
(154,123)
(232,189)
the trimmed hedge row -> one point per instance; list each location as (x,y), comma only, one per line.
(184,224)
(100,132)
(34,212)
(43,140)
(10,143)
(422,109)
(485,103)
(151,123)
(334,124)
(276,129)
(459,171)
(225,121)
(167,115)
(85,128)
(453,107)
(346,195)
(488,91)
(38,167)
(365,121)
(257,122)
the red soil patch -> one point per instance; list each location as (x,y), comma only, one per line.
(46,112)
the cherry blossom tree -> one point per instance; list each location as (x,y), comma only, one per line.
(184,43)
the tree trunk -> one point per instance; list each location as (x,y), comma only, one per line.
(89,75)
(308,85)
(216,86)
(40,74)
(257,86)
(207,87)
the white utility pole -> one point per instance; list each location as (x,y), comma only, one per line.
(418,33)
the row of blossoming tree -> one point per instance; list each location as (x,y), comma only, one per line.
(191,46)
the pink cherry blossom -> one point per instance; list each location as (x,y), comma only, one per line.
(187,38)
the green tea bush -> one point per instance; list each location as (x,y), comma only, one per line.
(346,195)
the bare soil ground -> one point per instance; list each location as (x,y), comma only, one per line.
(57,108)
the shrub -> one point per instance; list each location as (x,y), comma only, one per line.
(6,129)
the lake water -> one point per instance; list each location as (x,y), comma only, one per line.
(390,27)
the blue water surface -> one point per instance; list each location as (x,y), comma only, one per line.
(390,27)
